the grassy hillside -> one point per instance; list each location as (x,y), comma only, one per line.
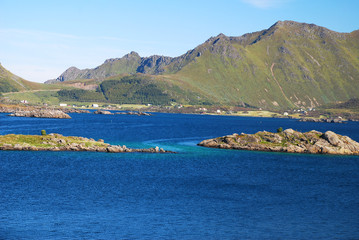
(9,82)
(290,65)
(132,89)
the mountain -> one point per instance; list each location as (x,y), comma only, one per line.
(289,65)
(9,82)
(129,64)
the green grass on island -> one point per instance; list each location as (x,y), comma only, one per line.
(47,141)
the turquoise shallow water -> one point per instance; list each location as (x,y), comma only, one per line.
(198,193)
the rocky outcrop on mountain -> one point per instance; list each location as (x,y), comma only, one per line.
(290,141)
(154,64)
(58,142)
(40,113)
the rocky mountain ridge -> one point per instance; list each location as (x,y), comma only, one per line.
(129,64)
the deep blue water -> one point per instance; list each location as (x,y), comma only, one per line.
(199,193)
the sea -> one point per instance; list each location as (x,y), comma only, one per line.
(196,193)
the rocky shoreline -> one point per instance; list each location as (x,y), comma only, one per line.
(36,112)
(290,141)
(45,112)
(323,120)
(40,113)
(58,142)
(106,112)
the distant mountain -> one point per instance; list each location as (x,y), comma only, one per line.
(130,64)
(9,82)
(289,65)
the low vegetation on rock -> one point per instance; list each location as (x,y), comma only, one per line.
(58,142)
(289,140)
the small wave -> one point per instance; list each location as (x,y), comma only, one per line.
(183,140)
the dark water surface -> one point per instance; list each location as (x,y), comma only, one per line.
(199,193)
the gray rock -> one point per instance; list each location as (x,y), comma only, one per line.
(294,142)
(332,138)
(103,112)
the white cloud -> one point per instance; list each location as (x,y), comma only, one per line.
(265,3)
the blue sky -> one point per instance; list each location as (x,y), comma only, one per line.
(41,39)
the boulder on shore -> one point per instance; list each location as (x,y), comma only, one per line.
(103,112)
(287,141)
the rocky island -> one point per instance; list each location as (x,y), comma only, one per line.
(32,111)
(58,142)
(40,113)
(289,140)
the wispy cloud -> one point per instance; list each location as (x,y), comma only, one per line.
(264,4)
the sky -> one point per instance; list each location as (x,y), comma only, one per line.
(40,39)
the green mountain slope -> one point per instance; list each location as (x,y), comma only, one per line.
(9,82)
(133,89)
(289,65)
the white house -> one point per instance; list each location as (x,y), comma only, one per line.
(95,105)
(63,105)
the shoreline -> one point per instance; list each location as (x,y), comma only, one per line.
(23,111)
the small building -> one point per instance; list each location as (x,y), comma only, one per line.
(24,101)
(285,114)
(95,105)
(63,105)
(218,111)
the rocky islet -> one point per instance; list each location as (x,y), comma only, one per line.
(289,140)
(58,142)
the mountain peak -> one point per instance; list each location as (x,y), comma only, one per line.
(133,53)
(221,35)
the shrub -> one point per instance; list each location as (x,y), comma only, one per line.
(279,130)
(43,132)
